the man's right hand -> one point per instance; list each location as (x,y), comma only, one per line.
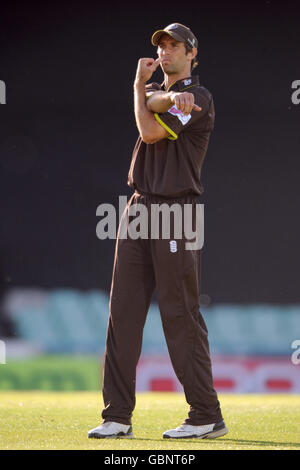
(145,69)
(184,101)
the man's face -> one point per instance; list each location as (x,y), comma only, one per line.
(173,54)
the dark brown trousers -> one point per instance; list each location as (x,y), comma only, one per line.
(140,266)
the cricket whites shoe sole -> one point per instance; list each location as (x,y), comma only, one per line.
(187,431)
(111,430)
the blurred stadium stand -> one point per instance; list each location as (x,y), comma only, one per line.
(59,341)
(70,321)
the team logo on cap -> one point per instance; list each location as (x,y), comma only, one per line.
(192,42)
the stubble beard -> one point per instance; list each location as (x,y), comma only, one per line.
(170,70)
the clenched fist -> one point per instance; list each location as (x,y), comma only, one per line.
(184,101)
(145,69)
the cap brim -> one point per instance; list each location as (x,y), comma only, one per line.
(158,34)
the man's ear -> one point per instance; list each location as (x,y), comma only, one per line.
(194,52)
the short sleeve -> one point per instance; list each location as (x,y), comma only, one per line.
(174,120)
(150,87)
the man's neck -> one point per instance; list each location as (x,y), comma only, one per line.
(169,80)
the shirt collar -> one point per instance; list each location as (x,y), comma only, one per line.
(183,83)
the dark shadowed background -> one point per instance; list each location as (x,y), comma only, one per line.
(68,130)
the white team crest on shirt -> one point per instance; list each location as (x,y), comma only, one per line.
(181,116)
(173,246)
(188,81)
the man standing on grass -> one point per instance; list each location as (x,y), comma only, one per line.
(174,120)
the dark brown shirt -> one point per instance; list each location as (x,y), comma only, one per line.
(172,166)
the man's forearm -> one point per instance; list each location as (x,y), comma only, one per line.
(159,102)
(145,120)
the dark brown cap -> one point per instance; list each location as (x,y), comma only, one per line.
(177,31)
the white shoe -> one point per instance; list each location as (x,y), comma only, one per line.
(209,431)
(111,430)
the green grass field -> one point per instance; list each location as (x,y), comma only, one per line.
(61,420)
